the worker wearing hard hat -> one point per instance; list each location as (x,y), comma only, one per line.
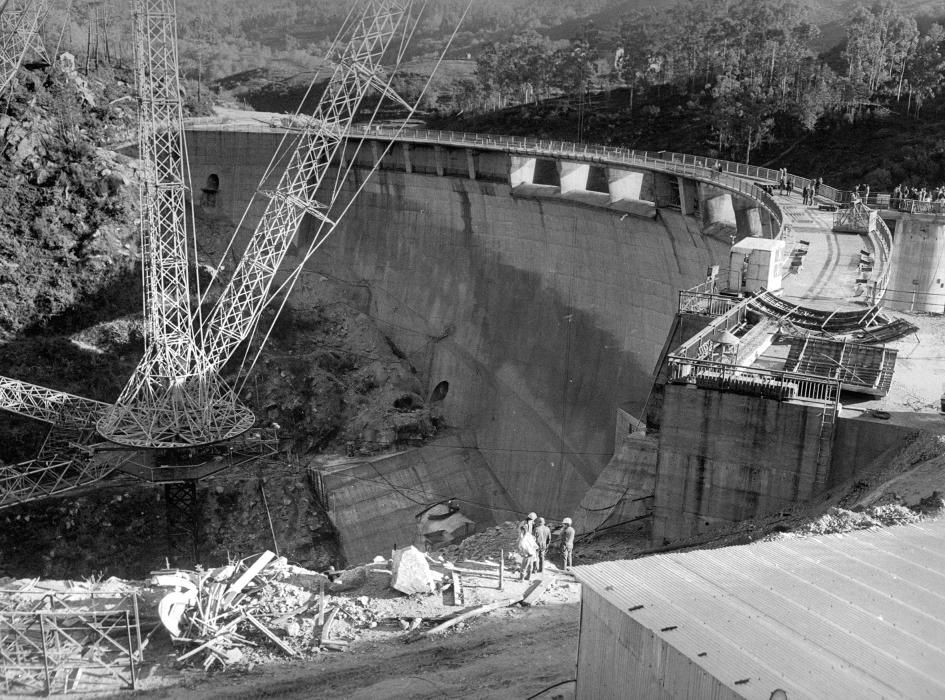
(527,525)
(567,543)
(542,539)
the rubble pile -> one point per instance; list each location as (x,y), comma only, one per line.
(838,520)
(256,602)
(486,545)
(247,611)
(250,610)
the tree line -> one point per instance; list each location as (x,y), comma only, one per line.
(750,64)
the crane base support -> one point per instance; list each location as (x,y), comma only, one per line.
(182,513)
(161,412)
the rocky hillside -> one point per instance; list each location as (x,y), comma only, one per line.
(66,200)
(70,318)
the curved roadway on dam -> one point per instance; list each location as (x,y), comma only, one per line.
(545,307)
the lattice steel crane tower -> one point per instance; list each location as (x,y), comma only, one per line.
(19,35)
(169,401)
(176,397)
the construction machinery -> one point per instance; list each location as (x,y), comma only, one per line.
(177,418)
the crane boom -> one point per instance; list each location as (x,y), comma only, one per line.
(66,460)
(69,459)
(236,312)
(48,405)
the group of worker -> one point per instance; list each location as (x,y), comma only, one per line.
(534,540)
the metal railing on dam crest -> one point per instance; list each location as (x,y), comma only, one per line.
(730,177)
(740,178)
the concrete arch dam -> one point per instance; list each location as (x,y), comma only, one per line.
(542,289)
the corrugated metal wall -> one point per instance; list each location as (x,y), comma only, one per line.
(620,659)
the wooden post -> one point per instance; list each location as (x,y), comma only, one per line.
(108,53)
(321,603)
(501,568)
(88,48)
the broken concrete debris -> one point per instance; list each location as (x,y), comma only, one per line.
(410,572)
(216,613)
(262,605)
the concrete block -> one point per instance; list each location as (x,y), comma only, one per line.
(718,209)
(572,176)
(624,184)
(748,222)
(521,170)
(410,572)
(768,459)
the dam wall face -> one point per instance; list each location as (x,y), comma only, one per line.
(543,314)
(726,457)
(917,265)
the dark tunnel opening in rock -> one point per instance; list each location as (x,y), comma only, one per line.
(408,402)
(439,391)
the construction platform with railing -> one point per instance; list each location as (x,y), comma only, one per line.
(749,402)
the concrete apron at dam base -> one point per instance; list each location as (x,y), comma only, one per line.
(545,312)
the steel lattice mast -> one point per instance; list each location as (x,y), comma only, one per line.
(176,396)
(19,27)
(167,402)
(358,70)
(66,460)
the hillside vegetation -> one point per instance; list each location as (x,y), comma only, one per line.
(803,83)
(66,208)
(735,79)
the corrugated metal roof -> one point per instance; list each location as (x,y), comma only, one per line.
(858,615)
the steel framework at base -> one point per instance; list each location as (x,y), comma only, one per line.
(65,462)
(182,513)
(50,642)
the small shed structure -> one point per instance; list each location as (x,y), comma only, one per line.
(756,263)
(859,615)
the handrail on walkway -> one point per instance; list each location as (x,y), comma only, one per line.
(703,168)
(778,384)
(705,303)
(731,176)
(703,343)
(738,177)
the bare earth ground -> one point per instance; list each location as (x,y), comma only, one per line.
(514,653)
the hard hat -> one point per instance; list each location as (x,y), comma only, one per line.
(532,516)
(566,521)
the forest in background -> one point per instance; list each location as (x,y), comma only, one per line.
(219,38)
(750,67)
(748,78)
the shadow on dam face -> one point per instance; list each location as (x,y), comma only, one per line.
(531,369)
(542,384)
(543,315)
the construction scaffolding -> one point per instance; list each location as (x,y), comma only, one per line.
(68,641)
(857,218)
